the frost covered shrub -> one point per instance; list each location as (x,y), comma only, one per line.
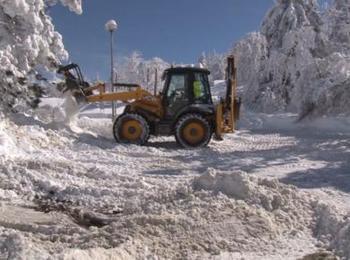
(27,38)
(299,60)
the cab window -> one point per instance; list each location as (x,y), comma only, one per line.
(177,88)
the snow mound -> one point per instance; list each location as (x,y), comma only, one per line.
(328,224)
(99,253)
(14,245)
(333,229)
(236,185)
(59,112)
(270,194)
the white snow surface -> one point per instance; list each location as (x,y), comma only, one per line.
(232,200)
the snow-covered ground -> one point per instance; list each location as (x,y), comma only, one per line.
(73,193)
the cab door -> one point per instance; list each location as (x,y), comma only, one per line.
(177,95)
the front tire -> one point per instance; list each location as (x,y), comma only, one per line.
(131,129)
(193,131)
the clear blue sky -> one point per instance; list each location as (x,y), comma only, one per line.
(177,31)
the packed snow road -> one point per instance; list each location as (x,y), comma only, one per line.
(78,195)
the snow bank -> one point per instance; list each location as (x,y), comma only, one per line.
(330,225)
(268,194)
(14,245)
(333,229)
(236,185)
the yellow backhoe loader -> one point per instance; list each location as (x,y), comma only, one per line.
(184,108)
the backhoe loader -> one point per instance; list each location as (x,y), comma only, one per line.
(184,108)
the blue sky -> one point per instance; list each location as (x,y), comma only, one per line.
(177,31)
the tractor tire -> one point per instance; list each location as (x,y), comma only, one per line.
(193,131)
(131,129)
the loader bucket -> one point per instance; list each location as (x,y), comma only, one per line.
(74,83)
(79,97)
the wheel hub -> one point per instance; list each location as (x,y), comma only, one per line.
(131,130)
(194,133)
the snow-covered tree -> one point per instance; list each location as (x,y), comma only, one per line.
(153,65)
(215,63)
(130,68)
(289,40)
(135,69)
(338,24)
(299,59)
(28,38)
(250,55)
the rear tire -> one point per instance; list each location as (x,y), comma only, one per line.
(193,131)
(131,129)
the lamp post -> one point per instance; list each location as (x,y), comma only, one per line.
(112,26)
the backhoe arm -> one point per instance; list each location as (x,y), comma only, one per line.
(227,111)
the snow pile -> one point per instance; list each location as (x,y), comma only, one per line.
(333,229)
(268,194)
(299,61)
(13,245)
(58,112)
(71,108)
(184,222)
(28,38)
(330,226)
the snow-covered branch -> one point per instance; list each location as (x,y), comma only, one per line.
(28,38)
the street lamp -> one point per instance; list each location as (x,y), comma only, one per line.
(111,26)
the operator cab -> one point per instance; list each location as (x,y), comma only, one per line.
(185,88)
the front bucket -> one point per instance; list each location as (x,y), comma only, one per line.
(79,97)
